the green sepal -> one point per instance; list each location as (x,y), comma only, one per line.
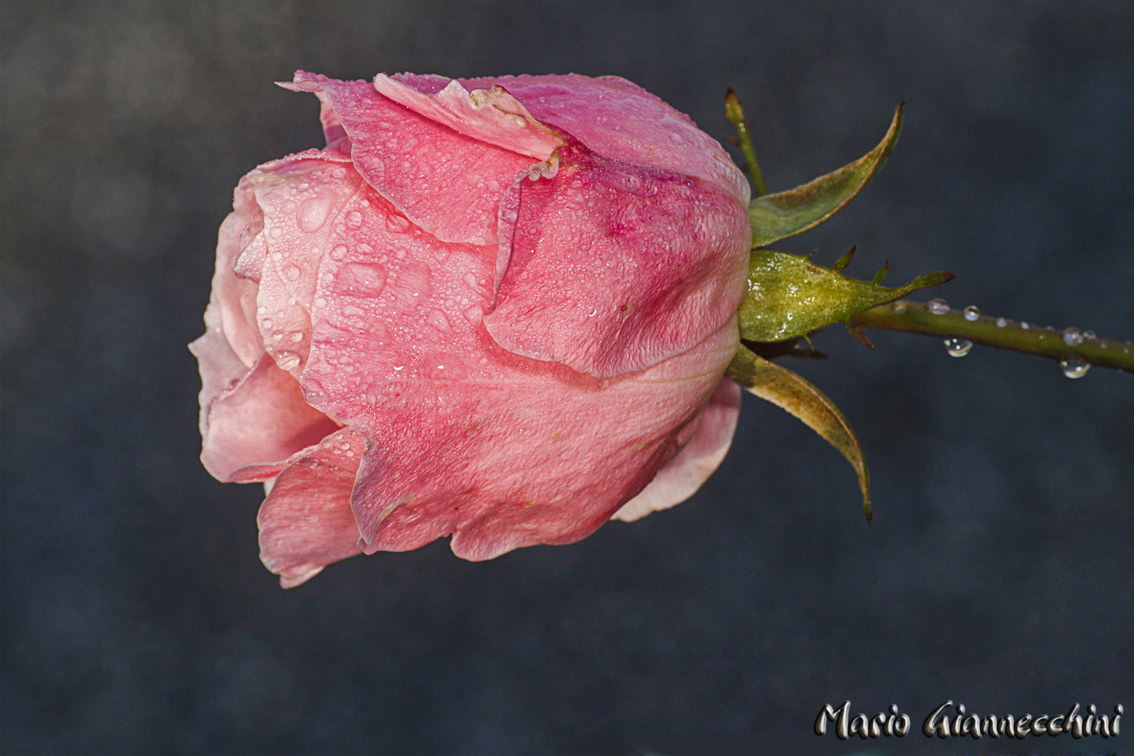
(778,216)
(792,393)
(789,296)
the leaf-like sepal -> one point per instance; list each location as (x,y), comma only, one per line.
(790,392)
(778,216)
(789,296)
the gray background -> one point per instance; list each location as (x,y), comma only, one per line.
(997,572)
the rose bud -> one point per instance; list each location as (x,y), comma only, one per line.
(493,309)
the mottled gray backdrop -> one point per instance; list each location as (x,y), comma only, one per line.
(997,572)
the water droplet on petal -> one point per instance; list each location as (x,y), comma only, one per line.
(360,280)
(1072,336)
(292,272)
(1074,367)
(972,313)
(287,360)
(354,220)
(397,222)
(438,320)
(313,212)
(339,252)
(937,306)
(957,347)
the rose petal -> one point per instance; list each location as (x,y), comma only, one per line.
(251,429)
(234,295)
(491,116)
(301,199)
(306,521)
(613,269)
(618,119)
(696,461)
(444,181)
(468,438)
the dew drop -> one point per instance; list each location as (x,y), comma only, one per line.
(972,313)
(1090,335)
(397,222)
(287,360)
(267,323)
(313,212)
(1001,322)
(957,347)
(339,252)
(937,306)
(292,272)
(1072,336)
(354,220)
(360,280)
(898,307)
(1074,367)
(437,319)
(1024,325)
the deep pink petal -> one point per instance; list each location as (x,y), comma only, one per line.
(613,269)
(306,521)
(618,119)
(253,427)
(696,461)
(444,181)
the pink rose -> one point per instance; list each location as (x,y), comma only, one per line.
(496,309)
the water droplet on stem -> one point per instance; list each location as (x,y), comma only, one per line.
(957,347)
(937,306)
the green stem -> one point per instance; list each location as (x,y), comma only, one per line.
(735,113)
(916,317)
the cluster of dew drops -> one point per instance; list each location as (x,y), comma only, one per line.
(1071,367)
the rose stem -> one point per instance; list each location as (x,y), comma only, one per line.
(1001,333)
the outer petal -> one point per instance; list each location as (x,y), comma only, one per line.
(234,293)
(306,522)
(256,425)
(615,268)
(301,198)
(618,119)
(444,181)
(494,116)
(696,461)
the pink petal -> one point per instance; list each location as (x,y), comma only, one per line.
(613,269)
(253,427)
(696,461)
(618,119)
(468,438)
(233,294)
(306,521)
(492,116)
(301,199)
(444,181)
